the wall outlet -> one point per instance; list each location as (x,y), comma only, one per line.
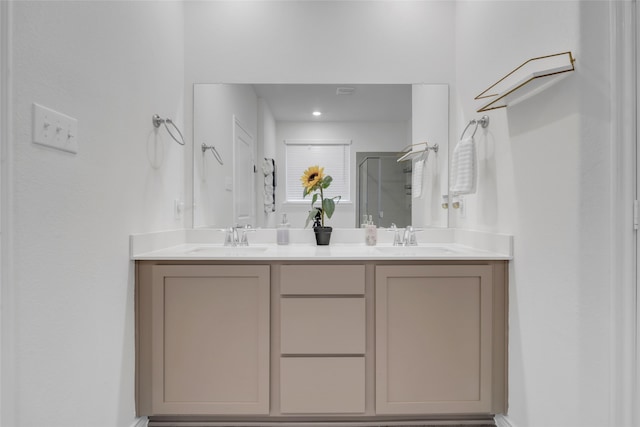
(54,129)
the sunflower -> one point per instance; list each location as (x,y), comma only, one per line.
(312,176)
(315,182)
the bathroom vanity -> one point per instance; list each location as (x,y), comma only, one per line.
(300,333)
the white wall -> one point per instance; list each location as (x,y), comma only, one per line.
(319,41)
(364,136)
(111,65)
(431,124)
(544,177)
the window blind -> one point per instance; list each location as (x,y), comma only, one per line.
(332,155)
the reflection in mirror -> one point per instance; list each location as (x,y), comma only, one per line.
(384,189)
(251,124)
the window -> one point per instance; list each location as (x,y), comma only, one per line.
(332,155)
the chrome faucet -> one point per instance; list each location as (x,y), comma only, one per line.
(407,238)
(231,237)
(237,236)
(397,239)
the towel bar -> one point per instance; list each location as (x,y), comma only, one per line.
(407,155)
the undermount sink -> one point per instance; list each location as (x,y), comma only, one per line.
(414,250)
(227,250)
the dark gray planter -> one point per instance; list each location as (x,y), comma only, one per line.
(323,235)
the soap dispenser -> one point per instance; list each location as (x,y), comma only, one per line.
(283,231)
(371,233)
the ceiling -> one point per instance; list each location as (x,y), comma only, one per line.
(366,102)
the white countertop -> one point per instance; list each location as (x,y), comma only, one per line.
(433,244)
(339,251)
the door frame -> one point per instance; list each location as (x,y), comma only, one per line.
(7,318)
(624,184)
(635,364)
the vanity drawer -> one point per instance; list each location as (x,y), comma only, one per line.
(322,325)
(322,385)
(322,280)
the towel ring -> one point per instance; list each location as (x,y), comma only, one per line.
(157,121)
(483,121)
(215,153)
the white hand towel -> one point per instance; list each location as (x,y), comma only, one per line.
(464,167)
(416,182)
(269,198)
(267,166)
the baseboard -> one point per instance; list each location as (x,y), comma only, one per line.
(140,422)
(503,421)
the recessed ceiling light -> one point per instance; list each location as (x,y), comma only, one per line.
(317,113)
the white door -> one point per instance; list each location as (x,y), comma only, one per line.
(243,175)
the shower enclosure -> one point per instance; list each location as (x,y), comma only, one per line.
(384,189)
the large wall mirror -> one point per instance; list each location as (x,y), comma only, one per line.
(252,142)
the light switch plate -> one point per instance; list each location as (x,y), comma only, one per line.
(54,129)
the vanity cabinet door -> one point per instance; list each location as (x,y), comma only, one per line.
(209,340)
(434,339)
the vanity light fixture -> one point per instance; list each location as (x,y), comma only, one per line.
(317,113)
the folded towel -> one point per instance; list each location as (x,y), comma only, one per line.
(416,183)
(268,179)
(464,167)
(269,198)
(267,166)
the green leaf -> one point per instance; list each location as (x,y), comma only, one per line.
(311,216)
(326,182)
(315,198)
(328,206)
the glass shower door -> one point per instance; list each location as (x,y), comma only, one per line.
(384,190)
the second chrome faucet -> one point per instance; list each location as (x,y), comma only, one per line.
(237,236)
(407,238)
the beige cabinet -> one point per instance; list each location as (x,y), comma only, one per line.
(322,339)
(359,341)
(205,332)
(435,339)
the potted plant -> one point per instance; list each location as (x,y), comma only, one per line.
(315,182)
